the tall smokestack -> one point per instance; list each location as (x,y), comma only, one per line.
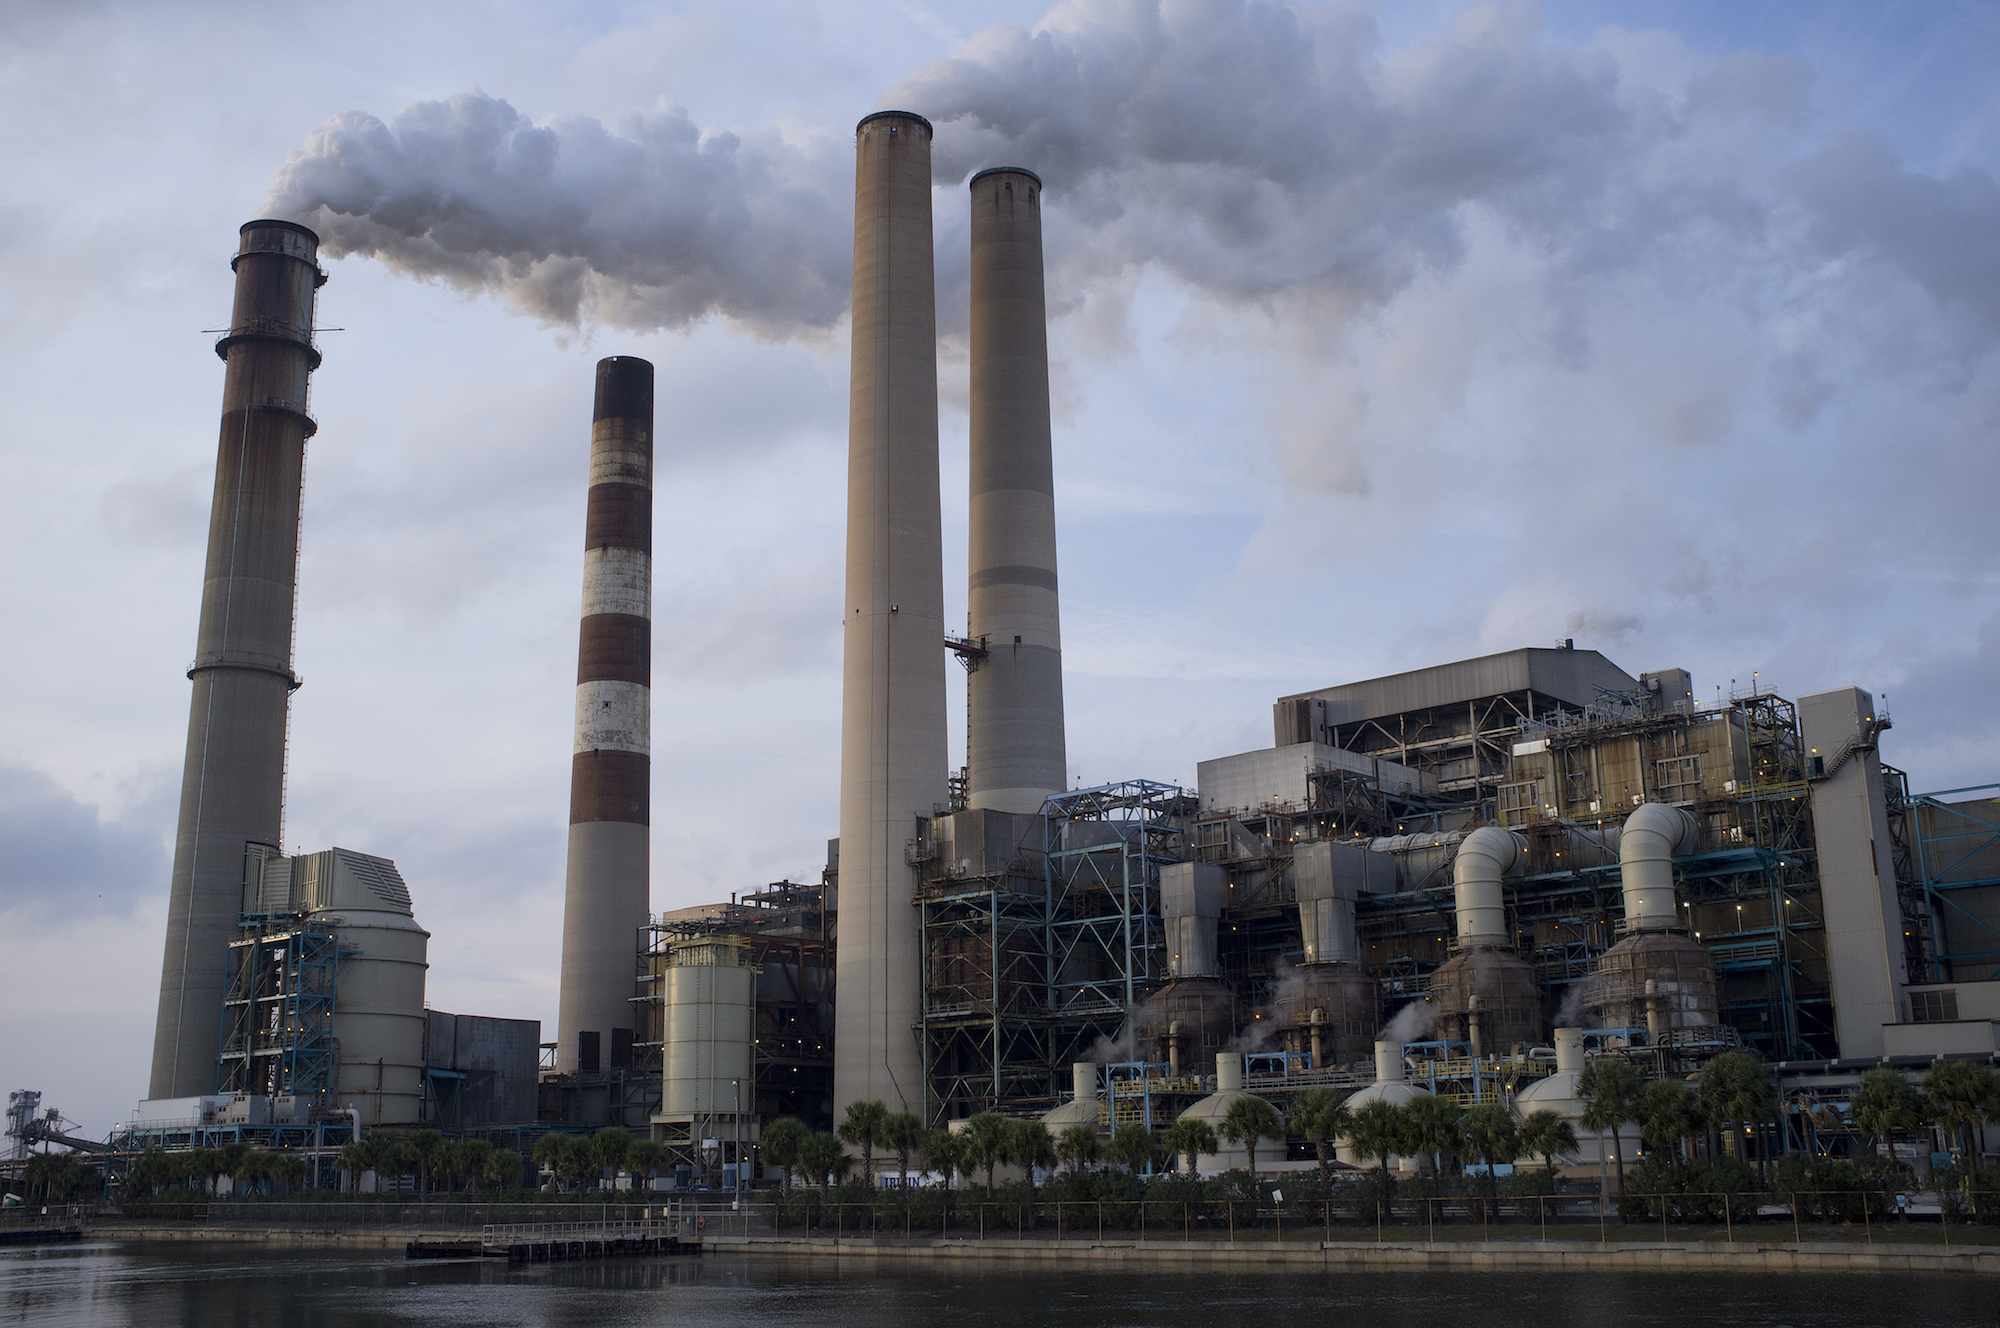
(1014,748)
(893,755)
(233,783)
(611,771)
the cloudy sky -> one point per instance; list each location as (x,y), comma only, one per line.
(1382,337)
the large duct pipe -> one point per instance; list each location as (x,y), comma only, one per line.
(1014,746)
(611,770)
(893,754)
(1388,1061)
(1484,859)
(233,781)
(1654,835)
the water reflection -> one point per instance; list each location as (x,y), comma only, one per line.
(154,1285)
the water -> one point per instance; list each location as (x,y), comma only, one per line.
(160,1286)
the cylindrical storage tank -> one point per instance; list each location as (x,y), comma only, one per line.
(1083,1108)
(1495,987)
(711,999)
(378,1008)
(1205,1009)
(1347,1001)
(1682,972)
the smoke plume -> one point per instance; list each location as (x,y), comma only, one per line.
(656,226)
(1412,1023)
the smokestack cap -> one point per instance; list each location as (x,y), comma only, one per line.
(900,115)
(1005,170)
(624,389)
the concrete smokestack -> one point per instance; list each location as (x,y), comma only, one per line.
(1014,747)
(611,772)
(893,755)
(233,784)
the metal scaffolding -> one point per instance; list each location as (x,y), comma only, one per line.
(1027,966)
(277,1010)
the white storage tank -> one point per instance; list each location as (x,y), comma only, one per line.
(378,1012)
(710,1006)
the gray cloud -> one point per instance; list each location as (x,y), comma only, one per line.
(62,858)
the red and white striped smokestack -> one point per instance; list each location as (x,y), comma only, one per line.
(605,899)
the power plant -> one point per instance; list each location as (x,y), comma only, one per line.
(1468,880)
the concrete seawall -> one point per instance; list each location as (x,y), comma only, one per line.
(1369,1256)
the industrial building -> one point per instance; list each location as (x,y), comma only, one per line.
(1467,878)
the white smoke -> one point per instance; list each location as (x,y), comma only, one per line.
(1119,1050)
(1412,1023)
(1570,1014)
(1266,153)
(657,225)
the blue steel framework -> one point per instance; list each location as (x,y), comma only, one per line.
(1026,968)
(277,1010)
(1954,852)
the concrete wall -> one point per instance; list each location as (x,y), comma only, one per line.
(1864,942)
(1247,781)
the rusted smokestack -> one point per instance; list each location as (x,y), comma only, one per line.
(611,770)
(233,782)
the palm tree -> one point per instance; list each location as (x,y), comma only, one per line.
(901,1132)
(823,1159)
(1962,1094)
(608,1149)
(1491,1137)
(1668,1112)
(1249,1119)
(555,1151)
(1132,1145)
(1078,1148)
(1190,1138)
(501,1166)
(1609,1090)
(944,1153)
(426,1148)
(645,1159)
(1321,1116)
(1378,1131)
(1547,1135)
(1029,1145)
(986,1142)
(1734,1090)
(1883,1103)
(781,1145)
(468,1159)
(863,1129)
(1433,1128)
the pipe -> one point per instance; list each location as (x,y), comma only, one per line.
(607,882)
(1388,1061)
(1228,1071)
(1174,1050)
(1485,856)
(1315,1020)
(893,745)
(1083,1080)
(1655,1016)
(1569,1051)
(1014,745)
(1654,834)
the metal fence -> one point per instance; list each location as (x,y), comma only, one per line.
(1798,1216)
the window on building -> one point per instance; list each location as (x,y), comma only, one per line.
(1678,778)
(1518,802)
(1933,1007)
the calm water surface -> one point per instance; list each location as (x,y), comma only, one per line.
(223,1286)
